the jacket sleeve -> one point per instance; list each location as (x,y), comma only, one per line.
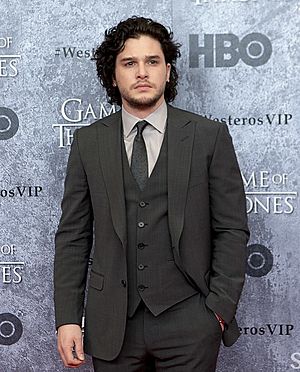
(73,242)
(229,231)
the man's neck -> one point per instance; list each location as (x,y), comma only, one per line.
(141,112)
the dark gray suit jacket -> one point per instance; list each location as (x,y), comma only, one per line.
(207,222)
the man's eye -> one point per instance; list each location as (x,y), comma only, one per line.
(153,62)
(129,63)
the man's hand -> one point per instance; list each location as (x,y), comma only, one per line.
(70,346)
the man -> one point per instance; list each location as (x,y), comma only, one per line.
(161,190)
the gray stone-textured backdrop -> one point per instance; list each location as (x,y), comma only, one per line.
(38,75)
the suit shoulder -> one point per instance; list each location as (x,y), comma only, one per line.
(201,121)
(91,128)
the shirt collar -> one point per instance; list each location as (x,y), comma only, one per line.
(157,119)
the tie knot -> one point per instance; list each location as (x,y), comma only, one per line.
(140,126)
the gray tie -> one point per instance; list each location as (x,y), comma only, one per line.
(139,161)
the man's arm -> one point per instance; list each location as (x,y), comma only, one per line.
(73,242)
(230,233)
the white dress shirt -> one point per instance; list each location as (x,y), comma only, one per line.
(153,134)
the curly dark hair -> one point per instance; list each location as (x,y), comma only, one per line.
(114,40)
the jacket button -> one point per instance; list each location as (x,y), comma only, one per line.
(141,287)
(141,224)
(123,282)
(141,245)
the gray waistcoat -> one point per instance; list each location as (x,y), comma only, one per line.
(152,274)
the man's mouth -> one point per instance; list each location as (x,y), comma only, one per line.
(142,85)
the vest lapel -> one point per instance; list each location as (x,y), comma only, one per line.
(180,145)
(109,139)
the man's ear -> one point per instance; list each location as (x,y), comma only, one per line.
(168,72)
(114,81)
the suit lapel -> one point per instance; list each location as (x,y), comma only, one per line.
(109,139)
(180,145)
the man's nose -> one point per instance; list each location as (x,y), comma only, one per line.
(142,71)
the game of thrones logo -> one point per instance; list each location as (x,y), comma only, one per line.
(11,269)
(8,61)
(76,114)
(269,193)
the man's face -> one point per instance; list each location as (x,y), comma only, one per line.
(141,73)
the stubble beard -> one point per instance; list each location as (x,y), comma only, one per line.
(143,102)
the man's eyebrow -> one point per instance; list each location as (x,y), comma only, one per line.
(153,57)
(125,59)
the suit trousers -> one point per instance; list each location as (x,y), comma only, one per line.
(184,338)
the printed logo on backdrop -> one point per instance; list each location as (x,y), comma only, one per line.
(275,329)
(74,52)
(226,50)
(11,268)
(8,62)
(20,191)
(295,357)
(75,114)
(11,329)
(269,193)
(9,123)
(270,119)
(259,261)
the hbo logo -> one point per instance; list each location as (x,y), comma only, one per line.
(225,50)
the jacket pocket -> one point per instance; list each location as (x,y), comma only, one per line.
(96,281)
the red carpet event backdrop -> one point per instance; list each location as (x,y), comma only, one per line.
(238,66)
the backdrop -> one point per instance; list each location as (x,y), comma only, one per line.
(238,65)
